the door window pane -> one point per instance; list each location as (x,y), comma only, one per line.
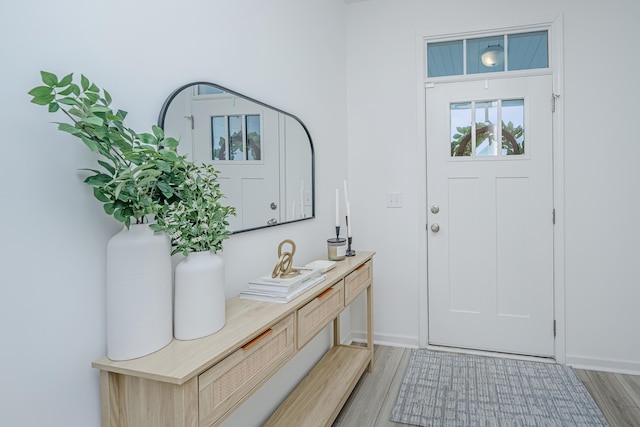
(233,136)
(445,59)
(474,130)
(236,138)
(513,127)
(528,51)
(486,129)
(253,138)
(485,55)
(461,125)
(218,138)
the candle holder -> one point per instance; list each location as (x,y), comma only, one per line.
(350,252)
(336,249)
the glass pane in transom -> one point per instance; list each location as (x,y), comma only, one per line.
(207,89)
(528,51)
(445,59)
(485,55)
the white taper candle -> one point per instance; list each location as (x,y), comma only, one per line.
(346,194)
(349,221)
(337,208)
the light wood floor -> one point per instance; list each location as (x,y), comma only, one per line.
(617,395)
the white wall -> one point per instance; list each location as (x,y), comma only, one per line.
(286,53)
(601,197)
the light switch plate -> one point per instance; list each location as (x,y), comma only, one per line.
(394,200)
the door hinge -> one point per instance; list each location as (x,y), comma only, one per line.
(554,328)
(553,216)
(554,98)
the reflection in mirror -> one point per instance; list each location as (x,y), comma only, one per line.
(264,155)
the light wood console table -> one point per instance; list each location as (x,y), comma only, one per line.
(201,382)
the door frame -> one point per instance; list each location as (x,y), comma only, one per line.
(555,28)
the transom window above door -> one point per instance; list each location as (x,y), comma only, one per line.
(508,52)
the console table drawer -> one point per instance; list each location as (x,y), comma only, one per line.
(315,315)
(357,281)
(227,383)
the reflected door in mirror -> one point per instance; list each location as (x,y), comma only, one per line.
(241,139)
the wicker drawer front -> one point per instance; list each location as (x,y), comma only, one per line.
(357,281)
(314,316)
(229,381)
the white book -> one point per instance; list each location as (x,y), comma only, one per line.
(257,295)
(283,286)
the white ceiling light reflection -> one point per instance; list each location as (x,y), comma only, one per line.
(492,56)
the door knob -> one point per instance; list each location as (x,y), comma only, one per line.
(272,221)
(435,228)
(273,206)
(435,209)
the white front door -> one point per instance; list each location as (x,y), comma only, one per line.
(490,215)
(250,184)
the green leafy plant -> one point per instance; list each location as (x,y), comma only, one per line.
(138,171)
(197,221)
(512,139)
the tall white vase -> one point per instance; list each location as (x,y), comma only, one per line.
(139,292)
(199,299)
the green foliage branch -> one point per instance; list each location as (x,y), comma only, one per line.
(460,143)
(139,171)
(198,220)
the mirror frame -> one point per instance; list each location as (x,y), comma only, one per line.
(171,97)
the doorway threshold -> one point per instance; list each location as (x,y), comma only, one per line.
(447,349)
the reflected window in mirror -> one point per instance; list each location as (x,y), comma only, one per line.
(239,136)
(208,90)
(265,156)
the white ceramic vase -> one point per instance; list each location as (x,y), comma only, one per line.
(139,292)
(199,299)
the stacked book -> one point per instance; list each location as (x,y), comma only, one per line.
(267,288)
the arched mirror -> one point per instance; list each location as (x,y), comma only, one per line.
(264,155)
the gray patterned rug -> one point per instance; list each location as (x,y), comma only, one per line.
(442,389)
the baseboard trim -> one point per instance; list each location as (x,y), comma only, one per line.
(389,340)
(606,365)
(578,362)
